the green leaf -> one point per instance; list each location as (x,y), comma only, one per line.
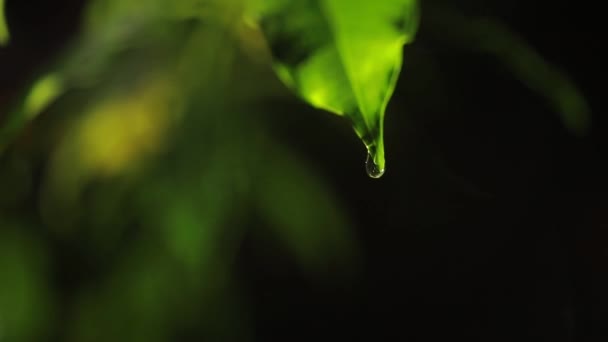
(4,33)
(42,94)
(25,302)
(303,214)
(38,97)
(343,56)
(537,74)
(491,37)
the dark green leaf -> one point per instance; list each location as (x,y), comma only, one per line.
(303,214)
(537,74)
(24,294)
(491,37)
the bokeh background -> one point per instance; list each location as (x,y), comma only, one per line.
(179,192)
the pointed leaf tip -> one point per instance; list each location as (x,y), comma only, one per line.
(343,56)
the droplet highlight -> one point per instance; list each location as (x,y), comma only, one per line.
(373,170)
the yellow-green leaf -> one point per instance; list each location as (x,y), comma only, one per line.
(4,34)
(38,97)
(343,56)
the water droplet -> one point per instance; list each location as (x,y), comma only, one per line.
(372,169)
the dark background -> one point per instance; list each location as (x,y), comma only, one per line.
(491,222)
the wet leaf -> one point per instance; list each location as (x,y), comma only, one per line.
(343,56)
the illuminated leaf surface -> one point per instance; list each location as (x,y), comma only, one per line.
(343,56)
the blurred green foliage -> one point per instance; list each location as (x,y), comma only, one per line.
(151,157)
(25,297)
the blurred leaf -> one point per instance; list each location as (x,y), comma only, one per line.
(24,297)
(116,135)
(40,94)
(133,303)
(4,33)
(536,73)
(16,179)
(343,56)
(490,36)
(43,92)
(302,213)
(188,209)
(117,38)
